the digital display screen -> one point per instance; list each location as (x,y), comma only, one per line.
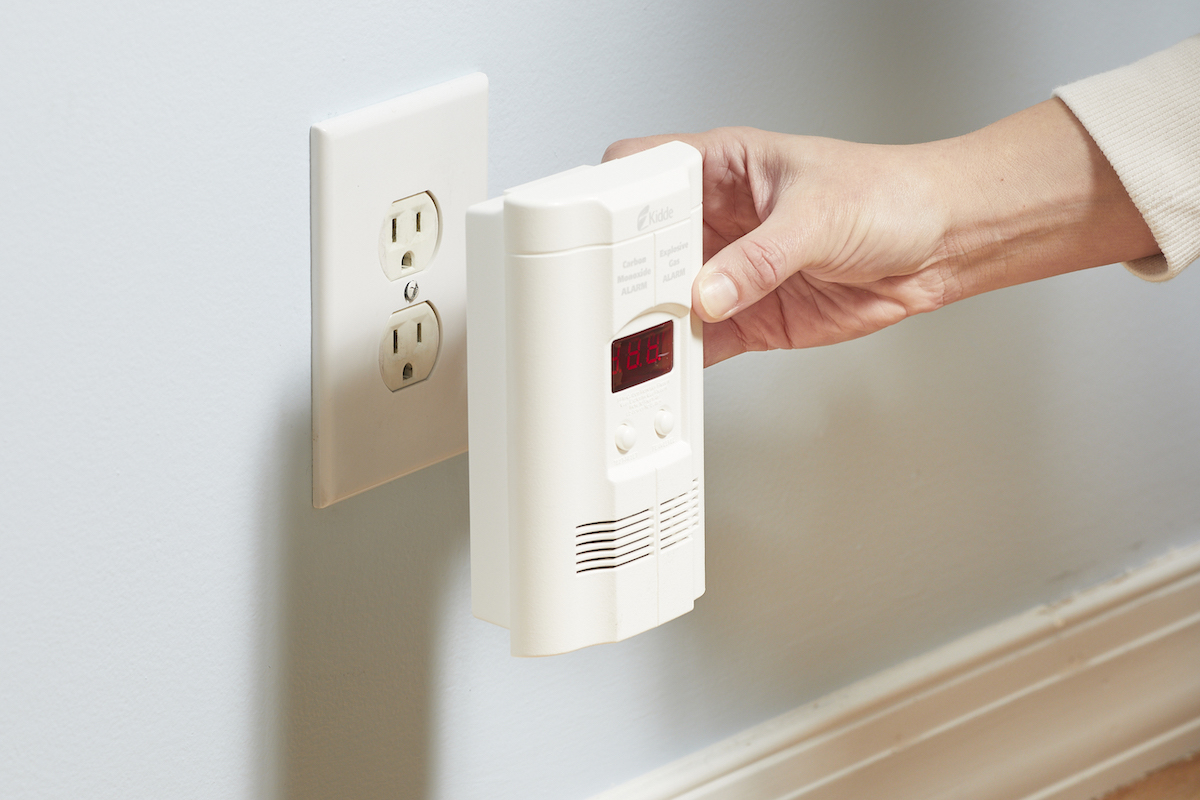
(641,356)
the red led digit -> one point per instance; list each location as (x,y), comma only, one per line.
(655,344)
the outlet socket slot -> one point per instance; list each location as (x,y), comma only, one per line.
(411,233)
(409,347)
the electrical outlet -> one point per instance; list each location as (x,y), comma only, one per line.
(409,347)
(390,187)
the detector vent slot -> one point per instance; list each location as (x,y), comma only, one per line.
(612,544)
(678,516)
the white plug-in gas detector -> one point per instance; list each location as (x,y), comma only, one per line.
(586,402)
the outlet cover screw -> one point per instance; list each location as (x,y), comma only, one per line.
(411,291)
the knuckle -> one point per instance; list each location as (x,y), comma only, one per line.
(766,265)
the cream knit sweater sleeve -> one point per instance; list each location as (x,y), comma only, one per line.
(1146,120)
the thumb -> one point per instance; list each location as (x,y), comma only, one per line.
(746,270)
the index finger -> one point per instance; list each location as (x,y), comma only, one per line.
(627,147)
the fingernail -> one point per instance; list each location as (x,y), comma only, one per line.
(718,294)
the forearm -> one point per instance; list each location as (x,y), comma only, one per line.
(1029,197)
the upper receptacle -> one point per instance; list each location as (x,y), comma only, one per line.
(409,238)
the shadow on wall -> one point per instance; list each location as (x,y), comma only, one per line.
(360,582)
(857,502)
(900,72)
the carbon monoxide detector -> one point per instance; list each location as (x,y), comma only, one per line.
(586,402)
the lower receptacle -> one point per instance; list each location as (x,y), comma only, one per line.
(409,347)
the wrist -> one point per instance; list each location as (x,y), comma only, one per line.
(1032,196)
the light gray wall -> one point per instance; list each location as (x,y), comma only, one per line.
(177,621)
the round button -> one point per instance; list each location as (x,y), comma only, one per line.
(664,422)
(626,438)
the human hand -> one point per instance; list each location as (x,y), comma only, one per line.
(811,241)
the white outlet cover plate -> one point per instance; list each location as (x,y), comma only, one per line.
(432,140)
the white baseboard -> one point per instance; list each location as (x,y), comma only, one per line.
(1064,702)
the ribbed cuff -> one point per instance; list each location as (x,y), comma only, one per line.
(1146,120)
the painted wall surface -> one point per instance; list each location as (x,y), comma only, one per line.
(177,621)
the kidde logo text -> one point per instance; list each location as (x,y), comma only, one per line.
(648,217)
